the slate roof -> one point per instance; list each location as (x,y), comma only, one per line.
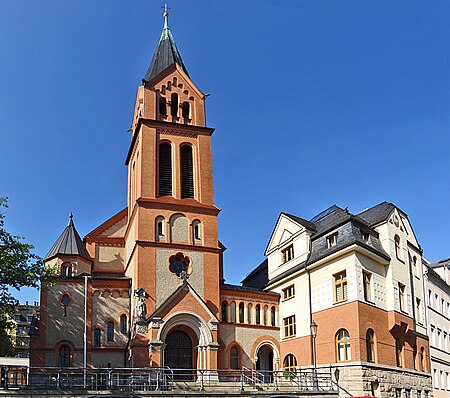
(165,55)
(69,243)
(377,214)
(350,229)
(227,286)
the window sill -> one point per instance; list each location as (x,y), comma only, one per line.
(340,302)
(287,299)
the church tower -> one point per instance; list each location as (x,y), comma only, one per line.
(172,252)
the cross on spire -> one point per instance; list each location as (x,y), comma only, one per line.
(166,16)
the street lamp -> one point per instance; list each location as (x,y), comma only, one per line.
(313,328)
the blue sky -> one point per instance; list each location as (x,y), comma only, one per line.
(314,103)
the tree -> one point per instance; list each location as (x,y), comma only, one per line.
(19,267)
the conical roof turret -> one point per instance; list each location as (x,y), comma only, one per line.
(69,243)
(166,53)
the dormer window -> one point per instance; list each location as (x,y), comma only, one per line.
(332,240)
(287,254)
(365,236)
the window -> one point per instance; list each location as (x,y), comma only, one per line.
(340,287)
(398,353)
(97,337)
(433,336)
(287,254)
(159,227)
(187,172)
(234,358)
(439,340)
(186,110)
(19,355)
(332,240)
(165,169)
(290,363)
(224,311)
(289,326)
(414,261)
(273,313)
(398,393)
(123,324)
(289,292)
(249,313)
(401,296)
(110,331)
(418,310)
(367,276)
(162,106)
(364,236)
(397,246)
(258,314)
(343,346)
(174,104)
(64,356)
(241,312)
(370,345)
(66,270)
(197,230)
(65,301)
(422,359)
(232,310)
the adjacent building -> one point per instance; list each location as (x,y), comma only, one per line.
(359,279)
(25,318)
(437,279)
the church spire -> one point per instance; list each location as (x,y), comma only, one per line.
(166,52)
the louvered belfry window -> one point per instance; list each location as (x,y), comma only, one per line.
(165,169)
(187,172)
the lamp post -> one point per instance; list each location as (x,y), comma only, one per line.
(313,328)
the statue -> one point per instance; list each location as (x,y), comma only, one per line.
(141,308)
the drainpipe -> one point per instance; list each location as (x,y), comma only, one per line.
(85,329)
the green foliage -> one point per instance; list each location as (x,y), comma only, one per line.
(19,267)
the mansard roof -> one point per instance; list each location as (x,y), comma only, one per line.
(69,243)
(166,54)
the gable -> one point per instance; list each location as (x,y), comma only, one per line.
(285,229)
(185,299)
(113,227)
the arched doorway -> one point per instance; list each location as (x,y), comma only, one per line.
(264,361)
(178,354)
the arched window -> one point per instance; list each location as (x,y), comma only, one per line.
(123,324)
(224,311)
(241,312)
(258,314)
(197,230)
(174,104)
(97,337)
(422,359)
(110,331)
(66,270)
(249,313)
(397,246)
(187,172)
(290,363)
(234,358)
(232,312)
(65,301)
(162,106)
(64,356)
(160,230)
(343,346)
(165,169)
(272,316)
(370,345)
(186,110)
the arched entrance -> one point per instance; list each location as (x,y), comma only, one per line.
(178,353)
(264,361)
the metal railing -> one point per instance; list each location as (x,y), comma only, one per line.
(164,379)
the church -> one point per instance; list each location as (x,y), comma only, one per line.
(146,287)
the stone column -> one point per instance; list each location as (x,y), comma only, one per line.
(253,314)
(245,313)
(237,312)
(228,312)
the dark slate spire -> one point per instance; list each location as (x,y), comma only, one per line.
(166,53)
(69,243)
